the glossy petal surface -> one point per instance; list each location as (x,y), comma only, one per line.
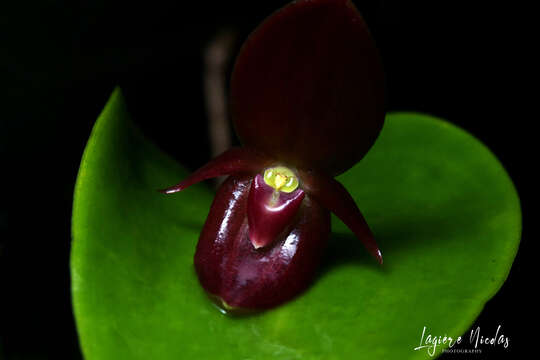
(307,86)
(439,203)
(268,217)
(229,266)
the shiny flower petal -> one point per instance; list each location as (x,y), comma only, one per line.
(270,212)
(307,103)
(307,87)
(238,276)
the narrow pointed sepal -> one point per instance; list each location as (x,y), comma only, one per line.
(239,160)
(330,194)
(270,212)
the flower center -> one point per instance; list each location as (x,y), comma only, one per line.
(281,179)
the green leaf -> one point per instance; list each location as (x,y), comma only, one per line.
(443,209)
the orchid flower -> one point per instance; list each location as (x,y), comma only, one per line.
(307,102)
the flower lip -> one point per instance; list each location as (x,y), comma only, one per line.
(307,91)
(240,278)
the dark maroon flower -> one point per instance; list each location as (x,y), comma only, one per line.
(307,103)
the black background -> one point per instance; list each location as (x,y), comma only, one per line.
(59,61)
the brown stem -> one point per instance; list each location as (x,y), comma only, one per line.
(216,59)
